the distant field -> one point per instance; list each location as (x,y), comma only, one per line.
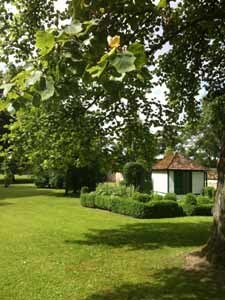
(19,179)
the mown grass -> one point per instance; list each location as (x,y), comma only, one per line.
(52,248)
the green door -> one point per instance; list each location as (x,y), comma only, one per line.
(182,182)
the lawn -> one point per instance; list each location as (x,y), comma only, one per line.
(52,248)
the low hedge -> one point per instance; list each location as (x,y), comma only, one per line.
(203,210)
(130,207)
(88,200)
(165,209)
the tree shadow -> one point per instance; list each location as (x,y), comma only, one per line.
(149,235)
(28,190)
(168,284)
(5,203)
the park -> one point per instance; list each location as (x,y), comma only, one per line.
(112,150)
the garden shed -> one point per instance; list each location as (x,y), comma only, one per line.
(178,174)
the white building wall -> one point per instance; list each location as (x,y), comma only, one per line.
(160,181)
(171,181)
(212,182)
(197,182)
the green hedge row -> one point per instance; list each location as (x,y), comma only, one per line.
(130,207)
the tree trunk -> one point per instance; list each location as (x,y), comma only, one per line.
(215,248)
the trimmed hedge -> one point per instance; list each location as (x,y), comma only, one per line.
(130,207)
(88,200)
(203,210)
(104,202)
(165,209)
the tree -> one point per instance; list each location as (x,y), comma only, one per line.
(77,59)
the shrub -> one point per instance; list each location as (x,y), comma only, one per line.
(190,199)
(170,196)
(112,189)
(41,180)
(130,208)
(202,200)
(88,200)
(203,210)
(134,174)
(164,209)
(188,203)
(209,191)
(105,202)
(157,197)
(141,197)
(84,190)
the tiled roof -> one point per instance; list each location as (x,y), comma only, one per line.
(177,162)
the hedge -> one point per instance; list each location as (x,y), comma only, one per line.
(165,209)
(142,197)
(88,200)
(203,210)
(130,207)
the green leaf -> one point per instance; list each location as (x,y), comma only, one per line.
(96,71)
(124,62)
(49,91)
(34,78)
(74,29)
(139,52)
(45,42)
(7,88)
(162,4)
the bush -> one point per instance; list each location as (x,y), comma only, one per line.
(84,190)
(170,196)
(209,191)
(202,200)
(112,189)
(134,174)
(41,180)
(56,181)
(88,200)
(190,199)
(105,202)
(203,210)
(141,197)
(157,197)
(130,208)
(165,209)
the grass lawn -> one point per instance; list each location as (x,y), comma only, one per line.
(52,248)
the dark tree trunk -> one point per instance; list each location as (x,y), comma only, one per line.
(215,249)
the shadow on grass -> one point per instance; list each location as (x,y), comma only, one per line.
(168,284)
(28,190)
(149,235)
(5,203)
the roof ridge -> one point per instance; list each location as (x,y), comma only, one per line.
(171,160)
